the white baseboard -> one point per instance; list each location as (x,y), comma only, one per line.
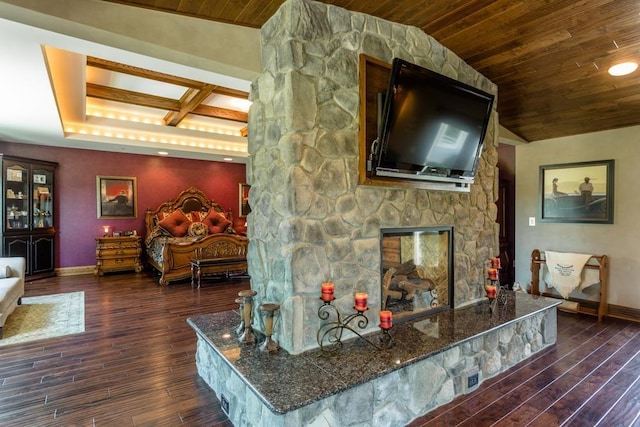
(75,271)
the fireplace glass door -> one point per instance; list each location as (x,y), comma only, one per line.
(417,271)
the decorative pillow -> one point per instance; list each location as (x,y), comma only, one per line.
(5,271)
(177,223)
(162,215)
(216,222)
(198,229)
(197,216)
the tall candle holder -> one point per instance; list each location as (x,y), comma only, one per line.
(386,323)
(329,335)
(240,328)
(493,289)
(269,345)
(247,336)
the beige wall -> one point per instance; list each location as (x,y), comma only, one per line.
(620,240)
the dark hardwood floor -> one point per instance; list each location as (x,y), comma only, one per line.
(135,366)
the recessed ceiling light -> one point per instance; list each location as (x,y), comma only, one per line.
(163,153)
(623,68)
(228,159)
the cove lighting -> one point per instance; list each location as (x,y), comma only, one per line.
(155,139)
(623,68)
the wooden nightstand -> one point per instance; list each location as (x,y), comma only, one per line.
(118,254)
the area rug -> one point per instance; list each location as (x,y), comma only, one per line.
(43,317)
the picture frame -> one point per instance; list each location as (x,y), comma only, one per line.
(14,174)
(39,179)
(580,192)
(243,200)
(116,197)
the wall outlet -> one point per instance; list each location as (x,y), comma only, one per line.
(532,221)
(473,379)
(224,404)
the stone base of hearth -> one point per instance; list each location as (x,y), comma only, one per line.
(433,360)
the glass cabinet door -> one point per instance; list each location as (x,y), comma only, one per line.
(42,206)
(16,196)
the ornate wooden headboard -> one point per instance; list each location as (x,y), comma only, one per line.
(188,200)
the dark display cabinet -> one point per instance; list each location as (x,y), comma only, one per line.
(28,214)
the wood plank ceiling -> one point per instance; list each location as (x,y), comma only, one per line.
(549,58)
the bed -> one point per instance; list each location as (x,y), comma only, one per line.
(190,227)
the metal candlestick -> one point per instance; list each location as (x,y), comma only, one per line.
(247,337)
(386,339)
(500,297)
(329,335)
(268,344)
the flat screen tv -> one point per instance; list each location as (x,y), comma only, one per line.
(433,127)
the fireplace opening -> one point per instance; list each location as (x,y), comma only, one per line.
(417,271)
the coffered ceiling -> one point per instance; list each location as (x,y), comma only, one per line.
(120,98)
(146,107)
(548,58)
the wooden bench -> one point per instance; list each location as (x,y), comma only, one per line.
(216,266)
(597,262)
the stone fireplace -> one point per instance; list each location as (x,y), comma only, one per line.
(310,220)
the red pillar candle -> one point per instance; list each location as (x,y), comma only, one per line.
(495,263)
(327,291)
(385,319)
(361,301)
(493,274)
(490,291)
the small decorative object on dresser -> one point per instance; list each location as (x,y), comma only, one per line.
(118,254)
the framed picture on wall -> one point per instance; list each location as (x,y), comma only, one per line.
(244,209)
(577,192)
(116,196)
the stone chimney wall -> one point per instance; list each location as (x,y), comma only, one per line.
(310,220)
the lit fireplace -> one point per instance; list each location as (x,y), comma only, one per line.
(417,271)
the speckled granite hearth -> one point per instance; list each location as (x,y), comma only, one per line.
(428,366)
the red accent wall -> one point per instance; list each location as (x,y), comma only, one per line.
(158,180)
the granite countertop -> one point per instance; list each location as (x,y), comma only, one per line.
(286,382)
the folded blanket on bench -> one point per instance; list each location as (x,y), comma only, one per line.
(565,271)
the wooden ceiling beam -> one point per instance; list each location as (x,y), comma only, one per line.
(188,102)
(221,113)
(131,97)
(162,77)
(152,101)
(142,72)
